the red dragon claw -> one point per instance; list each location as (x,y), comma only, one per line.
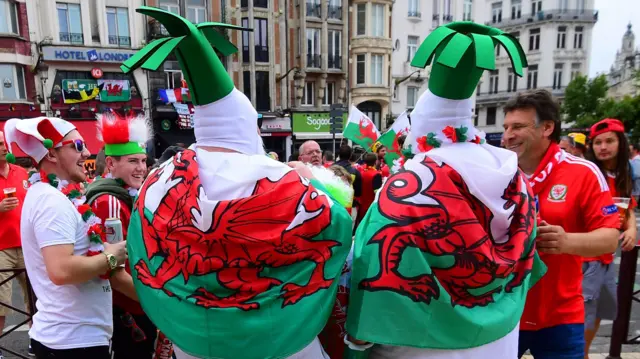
(293,293)
(145,276)
(418,289)
(209,300)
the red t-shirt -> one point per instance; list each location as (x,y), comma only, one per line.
(10,221)
(107,206)
(576,197)
(611,181)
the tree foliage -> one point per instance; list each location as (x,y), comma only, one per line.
(584,99)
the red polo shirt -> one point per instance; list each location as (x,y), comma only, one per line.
(576,197)
(10,228)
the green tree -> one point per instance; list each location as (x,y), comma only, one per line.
(583,100)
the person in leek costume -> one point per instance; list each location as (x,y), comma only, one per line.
(112,197)
(445,256)
(233,254)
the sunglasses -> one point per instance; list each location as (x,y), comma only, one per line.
(79,145)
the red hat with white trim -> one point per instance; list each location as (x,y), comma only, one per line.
(35,136)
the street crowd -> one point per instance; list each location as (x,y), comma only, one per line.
(464,250)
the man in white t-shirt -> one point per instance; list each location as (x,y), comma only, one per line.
(69,266)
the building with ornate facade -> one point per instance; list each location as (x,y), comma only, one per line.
(622,76)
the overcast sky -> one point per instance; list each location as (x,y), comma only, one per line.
(613,17)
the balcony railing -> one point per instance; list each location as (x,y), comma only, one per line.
(261,53)
(335,62)
(71,38)
(314,60)
(334,12)
(548,15)
(414,13)
(313,9)
(447,18)
(122,41)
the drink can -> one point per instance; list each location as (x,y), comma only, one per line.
(113,229)
(164,347)
(9,192)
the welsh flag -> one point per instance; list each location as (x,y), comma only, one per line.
(254,277)
(360,129)
(390,138)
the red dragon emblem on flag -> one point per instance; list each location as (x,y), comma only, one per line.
(367,131)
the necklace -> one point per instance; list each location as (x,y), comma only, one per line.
(95,229)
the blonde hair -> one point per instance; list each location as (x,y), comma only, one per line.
(342,173)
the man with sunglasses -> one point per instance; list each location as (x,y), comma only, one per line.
(70,267)
(112,197)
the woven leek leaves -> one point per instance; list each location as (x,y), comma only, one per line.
(460,52)
(194,47)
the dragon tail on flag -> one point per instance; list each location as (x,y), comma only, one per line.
(361,129)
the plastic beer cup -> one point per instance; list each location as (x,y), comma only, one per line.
(623,205)
(9,192)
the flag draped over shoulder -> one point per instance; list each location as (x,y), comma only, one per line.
(360,129)
(219,277)
(389,139)
(430,271)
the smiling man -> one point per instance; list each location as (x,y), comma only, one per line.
(577,219)
(112,197)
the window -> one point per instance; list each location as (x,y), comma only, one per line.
(245,42)
(170,6)
(335,48)
(536,6)
(396,93)
(534,39)
(475,116)
(196,11)
(575,70)
(9,13)
(261,3)
(557,76)
(414,10)
(334,9)
(260,39)
(263,100)
(362,19)
(360,69)
(377,17)
(532,77)
(493,81)
(313,8)
(562,37)
(412,96)
(577,38)
(512,82)
(435,22)
(580,6)
(313,48)
(376,69)
(329,93)
(498,46)
(447,11)
(246,79)
(307,97)
(496,12)
(70,22)
(478,89)
(516,9)
(173,78)
(467,10)
(118,26)
(563,5)
(491,116)
(412,47)
(13,82)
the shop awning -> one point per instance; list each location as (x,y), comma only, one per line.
(87,129)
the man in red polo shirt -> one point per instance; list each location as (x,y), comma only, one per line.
(577,219)
(13,188)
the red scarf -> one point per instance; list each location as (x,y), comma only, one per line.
(548,163)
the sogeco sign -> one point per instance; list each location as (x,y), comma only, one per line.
(313,122)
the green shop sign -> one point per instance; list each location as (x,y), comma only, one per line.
(314,122)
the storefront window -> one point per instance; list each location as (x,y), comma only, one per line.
(13,82)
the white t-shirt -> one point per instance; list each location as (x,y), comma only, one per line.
(69,316)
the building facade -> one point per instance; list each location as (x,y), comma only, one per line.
(413,21)
(80,45)
(621,77)
(556,37)
(18,97)
(370,53)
